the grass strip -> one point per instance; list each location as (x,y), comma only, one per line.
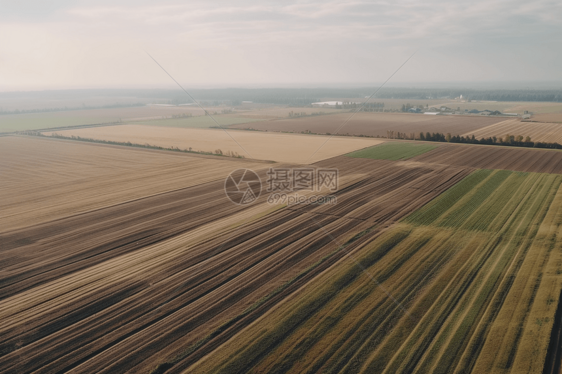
(392,151)
(436,208)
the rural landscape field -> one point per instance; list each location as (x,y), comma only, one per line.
(122,253)
(293,187)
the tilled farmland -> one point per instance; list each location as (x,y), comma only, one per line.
(537,131)
(468,283)
(495,157)
(135,285)
(374,124)
(425,265)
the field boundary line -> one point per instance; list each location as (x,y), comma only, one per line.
(163,150)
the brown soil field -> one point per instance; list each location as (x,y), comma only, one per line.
(495,157)
(45,179)
(538,131)
(375,124)
(547,117)
(129,286)
(537,108)
(293,148)
(280,112)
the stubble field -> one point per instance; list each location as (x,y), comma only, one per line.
(45,179)
(538,131)
(295,148)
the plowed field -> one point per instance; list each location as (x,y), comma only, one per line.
(538,131)
(116,259)
(495,157)
(547,117)
(375,124)
(469,283)
(167,278)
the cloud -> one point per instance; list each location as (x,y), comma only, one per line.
(295,41)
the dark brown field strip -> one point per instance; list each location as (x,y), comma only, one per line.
(374,124)
(495,157)
(67,245)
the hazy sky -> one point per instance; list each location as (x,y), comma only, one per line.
(72,44)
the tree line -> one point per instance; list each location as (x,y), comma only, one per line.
(507,140)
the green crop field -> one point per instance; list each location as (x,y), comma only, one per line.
(197,122)
(37,121)
(393,151)
(468,283)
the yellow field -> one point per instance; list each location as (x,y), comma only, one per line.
(293,148)
(538,131)
(44,179)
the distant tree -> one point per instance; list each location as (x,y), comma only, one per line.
(448,137)
(528,139)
